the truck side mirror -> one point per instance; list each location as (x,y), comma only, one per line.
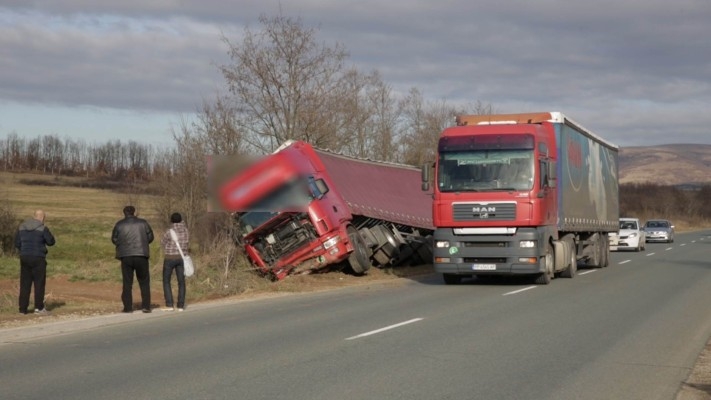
(552,177)
(426,177)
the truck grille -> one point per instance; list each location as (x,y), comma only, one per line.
(484,212)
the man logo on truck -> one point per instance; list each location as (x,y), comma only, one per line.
(483,209)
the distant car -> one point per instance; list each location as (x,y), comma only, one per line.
(630,237)
(659,230)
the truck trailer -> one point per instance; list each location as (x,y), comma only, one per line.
(303,209)
(521,194)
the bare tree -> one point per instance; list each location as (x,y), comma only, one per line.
(219,128)
(422,123)
(284,82)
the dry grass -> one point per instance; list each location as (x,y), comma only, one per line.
(81,220)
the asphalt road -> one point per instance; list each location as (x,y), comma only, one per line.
(629,331)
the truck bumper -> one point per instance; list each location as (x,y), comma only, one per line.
(488,254)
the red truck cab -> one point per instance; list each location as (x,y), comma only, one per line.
(290,218)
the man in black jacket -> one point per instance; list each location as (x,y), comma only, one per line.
(132,235)
(31,241)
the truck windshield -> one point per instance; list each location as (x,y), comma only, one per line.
(290,197)
(485,170)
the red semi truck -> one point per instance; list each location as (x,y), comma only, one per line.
(521,194)
(302,209)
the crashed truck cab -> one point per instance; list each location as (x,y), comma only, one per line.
(288,215)
(301,209)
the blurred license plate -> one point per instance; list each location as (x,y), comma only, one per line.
(483,267)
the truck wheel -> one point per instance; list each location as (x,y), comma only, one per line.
(605,254)
(546,265)
(573,267)
(359,259)
(452,279)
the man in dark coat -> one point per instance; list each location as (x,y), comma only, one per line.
(132,235)
(31,241)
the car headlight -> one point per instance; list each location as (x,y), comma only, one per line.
(633,234)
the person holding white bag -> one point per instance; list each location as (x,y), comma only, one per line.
(175,243)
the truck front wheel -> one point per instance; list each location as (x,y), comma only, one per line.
(546,264)
(359,259)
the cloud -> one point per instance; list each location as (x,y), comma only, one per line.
(641,67)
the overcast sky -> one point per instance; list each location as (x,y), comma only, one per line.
(636,72)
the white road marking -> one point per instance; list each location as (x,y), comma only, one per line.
(650,254)
(384,329)
(684,244)
(625,262)
(520,290)
(668,248)
(590,271)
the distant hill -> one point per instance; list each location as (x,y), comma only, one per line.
(672,164)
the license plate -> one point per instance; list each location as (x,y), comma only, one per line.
(484,267)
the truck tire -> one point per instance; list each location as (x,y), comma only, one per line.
(359,259)
(452,279)
(605,253)
(573,267)
(546,264)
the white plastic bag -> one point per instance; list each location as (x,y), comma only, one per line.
(188,266)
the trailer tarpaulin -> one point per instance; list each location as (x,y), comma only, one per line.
(381,190)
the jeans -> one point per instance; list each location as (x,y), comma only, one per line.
(33,270)
(140,266)
(168,266)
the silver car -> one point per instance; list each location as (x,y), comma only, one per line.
(659,230)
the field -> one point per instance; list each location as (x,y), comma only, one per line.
(84,278)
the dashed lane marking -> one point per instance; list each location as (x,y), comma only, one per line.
(387,328)
(519,291)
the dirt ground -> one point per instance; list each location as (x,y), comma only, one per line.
(67,299)
(80,299)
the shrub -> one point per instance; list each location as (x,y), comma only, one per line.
(8,227)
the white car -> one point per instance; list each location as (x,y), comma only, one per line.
(630,237)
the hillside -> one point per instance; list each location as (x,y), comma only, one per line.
(673,164)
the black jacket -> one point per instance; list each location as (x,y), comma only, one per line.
(32,238)
(131,236)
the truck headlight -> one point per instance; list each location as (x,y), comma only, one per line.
(330,242)
(442,244)
(527,244)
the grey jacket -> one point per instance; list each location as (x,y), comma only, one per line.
(32,238)
(131,236)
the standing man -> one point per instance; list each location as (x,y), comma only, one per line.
(31,241)
(132,235)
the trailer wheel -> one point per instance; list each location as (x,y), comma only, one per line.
(546,264)
(359,260)
(573,267)
(605,253)
(452,279)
